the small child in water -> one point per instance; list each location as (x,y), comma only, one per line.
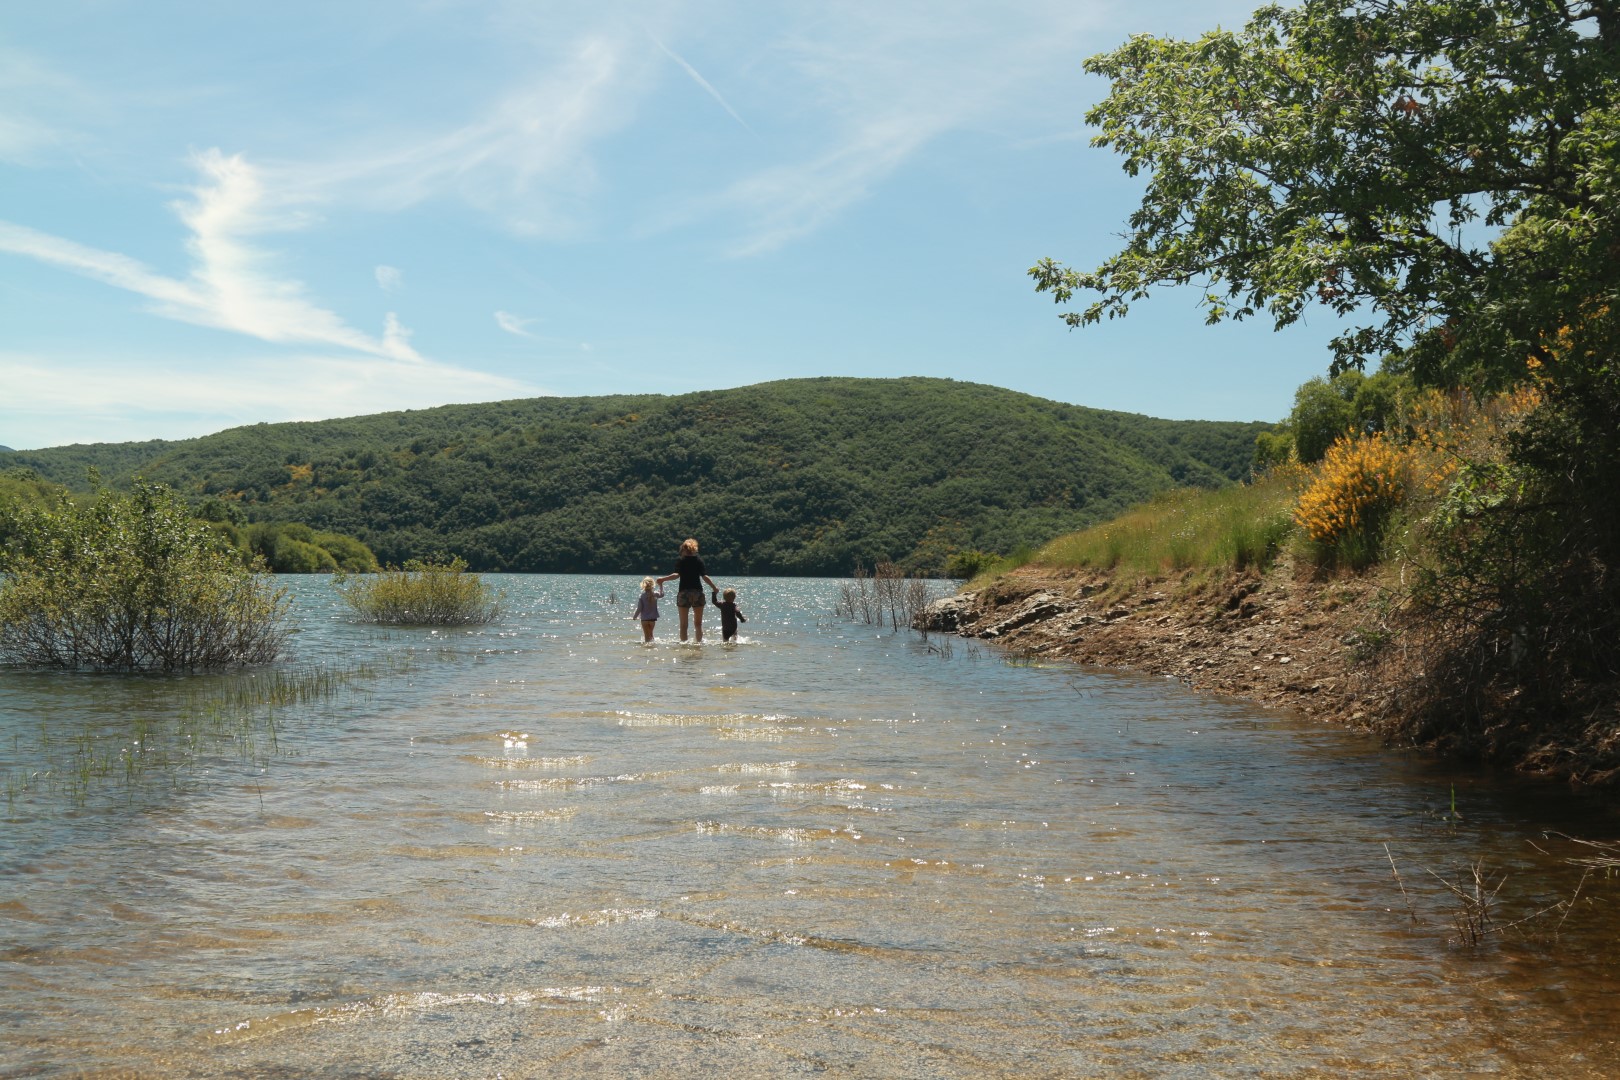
(729,615)
(647,608)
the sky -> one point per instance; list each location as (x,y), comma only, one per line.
(214,214)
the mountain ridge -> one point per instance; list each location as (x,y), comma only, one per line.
(794,476)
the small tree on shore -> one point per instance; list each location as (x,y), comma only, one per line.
(131,583)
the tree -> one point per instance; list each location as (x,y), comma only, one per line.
(1445,176)
(1442,173)
(131,583)
(1325,409)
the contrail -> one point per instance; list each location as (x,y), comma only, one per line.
(701,81)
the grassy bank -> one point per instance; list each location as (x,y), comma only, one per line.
(1487,600)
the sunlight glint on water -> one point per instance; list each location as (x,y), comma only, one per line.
(541,848)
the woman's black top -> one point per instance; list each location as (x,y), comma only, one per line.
(690,567)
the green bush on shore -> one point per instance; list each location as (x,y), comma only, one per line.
(422,593)
(289,547)
(131,583)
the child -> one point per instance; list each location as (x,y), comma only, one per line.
(729,615)
(647,608)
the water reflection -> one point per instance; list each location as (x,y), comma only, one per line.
(541,848)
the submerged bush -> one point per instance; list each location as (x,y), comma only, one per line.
(132,583)
(423,593)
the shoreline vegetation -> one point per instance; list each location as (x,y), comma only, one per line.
(132,583)
(1401,584)
(1409,167)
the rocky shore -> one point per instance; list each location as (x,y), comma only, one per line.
(1329,647)
(1276,638)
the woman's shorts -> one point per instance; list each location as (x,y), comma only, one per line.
(689,598)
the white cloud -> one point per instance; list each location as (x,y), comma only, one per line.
(514,324)
(105,266)
(231,285)
(42,408)
(390,278)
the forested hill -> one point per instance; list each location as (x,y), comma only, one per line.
(800,476)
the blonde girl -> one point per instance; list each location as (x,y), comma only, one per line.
(647,607)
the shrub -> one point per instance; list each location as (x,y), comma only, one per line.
(423,593)
(970,564)
(1326,409)
(1357,487)
(1273,448)
(132,583)
(1322,414)
(1516,598)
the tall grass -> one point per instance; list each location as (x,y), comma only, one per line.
(1239,527)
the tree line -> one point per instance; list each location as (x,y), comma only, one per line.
(806,476)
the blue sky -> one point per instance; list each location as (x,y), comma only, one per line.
(219,214)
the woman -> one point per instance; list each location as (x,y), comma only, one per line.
(689,593)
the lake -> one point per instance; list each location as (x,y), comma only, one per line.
(540,848)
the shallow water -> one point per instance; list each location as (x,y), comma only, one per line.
(542,849)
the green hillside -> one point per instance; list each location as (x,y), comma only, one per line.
(800,476)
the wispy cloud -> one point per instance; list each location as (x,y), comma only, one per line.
(40,407)
(787,202)
(390,278)
(525,158)
(231,285)
(514,324)
(30,90)
(886,81)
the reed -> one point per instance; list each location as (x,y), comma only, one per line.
(185,725)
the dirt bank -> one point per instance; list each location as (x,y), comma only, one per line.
(1325,647)
(1276,638)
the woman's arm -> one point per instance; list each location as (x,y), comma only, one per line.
(710,580)
(669,577)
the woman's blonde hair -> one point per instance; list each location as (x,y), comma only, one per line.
(689,546)
(646,584)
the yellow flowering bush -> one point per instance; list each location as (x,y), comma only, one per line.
(1360,480)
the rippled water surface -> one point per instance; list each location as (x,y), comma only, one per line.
(542,849)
